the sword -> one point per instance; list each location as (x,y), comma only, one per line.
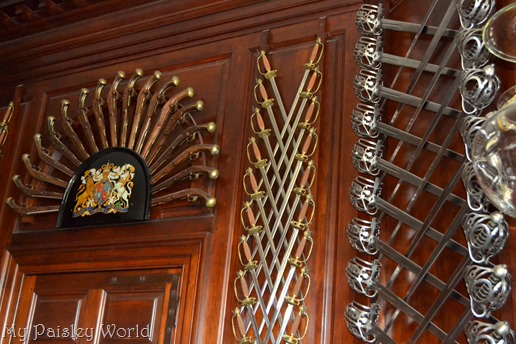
(302,190)
(301,158)
(82,115)
(143,96)
(270,74)
(157,97)
(370,22)
(275,199)
(29,211)
(242,339)
(36,173)
(247,301)
(297,225)
(31,192)
(434,43)
(363,278)
(97,105)
(112,99)
(442,109)
(368,54)
(60,146)
(367,93)
(169,107)
(426,225)
(190,173)
(295,263)
(251,266)
(415,141)
(43,154)
(256,231)
(151,153)
(306,95)
(260,164)
(189,153)
(279,213)
(292,302)
(72,135)
(292,338)
(444,241)
(267,103)
(264,134)
(190,194)
(187,135)
(387,251)
(129,94)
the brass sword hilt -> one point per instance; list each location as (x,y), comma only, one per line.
(306,180)
(250,264)
(310,118)
(293,299)
(250,225)
(246,300)
(257,117)
(313,85)
(297,261)
(242,338)
(292,338)
(309,146)
(253,184)
(269,72)
(261,96)
(257,161)
(316,55)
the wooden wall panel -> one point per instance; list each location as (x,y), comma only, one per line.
(212,48)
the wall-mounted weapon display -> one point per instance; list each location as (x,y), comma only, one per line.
(97,153)
(410,215)
(274,280)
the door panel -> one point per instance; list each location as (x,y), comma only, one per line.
(138,306)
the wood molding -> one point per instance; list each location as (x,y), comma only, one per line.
(97,43)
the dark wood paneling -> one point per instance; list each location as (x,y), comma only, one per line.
(212,46)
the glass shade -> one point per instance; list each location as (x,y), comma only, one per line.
(499,33)
(494,158)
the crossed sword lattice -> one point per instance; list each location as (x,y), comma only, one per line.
(272,285)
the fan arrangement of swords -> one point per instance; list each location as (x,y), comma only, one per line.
(150,121)
(485,230)
(272,285)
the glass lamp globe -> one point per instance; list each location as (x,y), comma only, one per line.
(499,33)
(494,158)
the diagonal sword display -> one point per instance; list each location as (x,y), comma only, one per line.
(274,280)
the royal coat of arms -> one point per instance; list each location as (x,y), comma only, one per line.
(105,190)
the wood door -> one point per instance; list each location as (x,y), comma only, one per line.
(139,306)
